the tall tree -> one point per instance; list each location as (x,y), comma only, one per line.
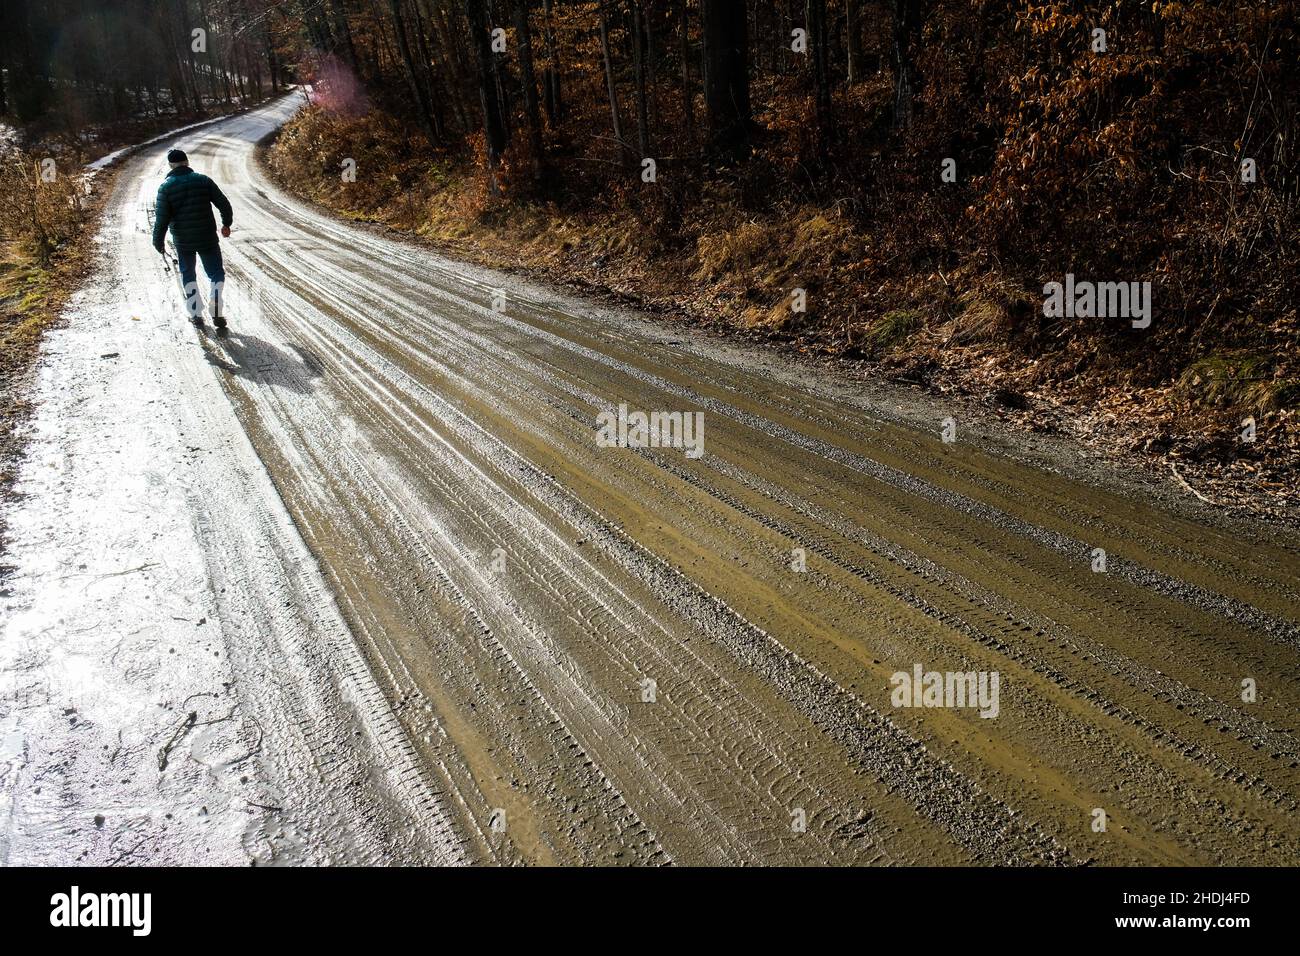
(413,77)
(551,73)
(726,74)
(528,80)
(819,41)
(346,47)
(688,91)
(494,128)
(853,38)
(639,57)
(609,77)
(907,30)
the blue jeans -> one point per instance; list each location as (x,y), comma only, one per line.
(216,275)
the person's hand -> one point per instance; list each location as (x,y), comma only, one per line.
(225,232)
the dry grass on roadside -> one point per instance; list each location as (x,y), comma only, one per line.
(42,206)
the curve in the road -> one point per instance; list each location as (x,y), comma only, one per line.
(605,655)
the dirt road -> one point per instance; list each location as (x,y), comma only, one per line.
(443,623)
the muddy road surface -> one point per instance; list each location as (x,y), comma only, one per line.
(444,621)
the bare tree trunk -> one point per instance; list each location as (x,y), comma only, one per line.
(726,74)
(189,70)
(551,75)
(457,74)
(651,85)
(907,25)
(494,129)
(343,33)
(272,61)
(853,40)
(529,82)
(688,92)
(609,77)
(180,94)
(428,74)
(212,76)
(223,67)
(382,52)
(639,71)
(412,75)
(818,39)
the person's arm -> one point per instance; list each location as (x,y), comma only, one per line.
(162,218)
(223,205)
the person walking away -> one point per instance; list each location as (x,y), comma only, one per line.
(184,204)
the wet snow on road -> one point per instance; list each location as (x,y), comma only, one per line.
(360,584)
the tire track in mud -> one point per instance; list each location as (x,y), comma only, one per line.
(295,648)
(875,543)
(1115,518)
(419,429)
(1067,545)
(406,265)
(821,718)
(703,733)
(1076,551)
(1103,704)
(901,763)
(593,401)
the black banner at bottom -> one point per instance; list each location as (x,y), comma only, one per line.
(343,906)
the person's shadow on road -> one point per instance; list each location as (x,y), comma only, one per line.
(259,362)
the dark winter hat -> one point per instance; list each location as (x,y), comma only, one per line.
(177,156)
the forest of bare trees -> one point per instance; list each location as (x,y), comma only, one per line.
(72,63)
